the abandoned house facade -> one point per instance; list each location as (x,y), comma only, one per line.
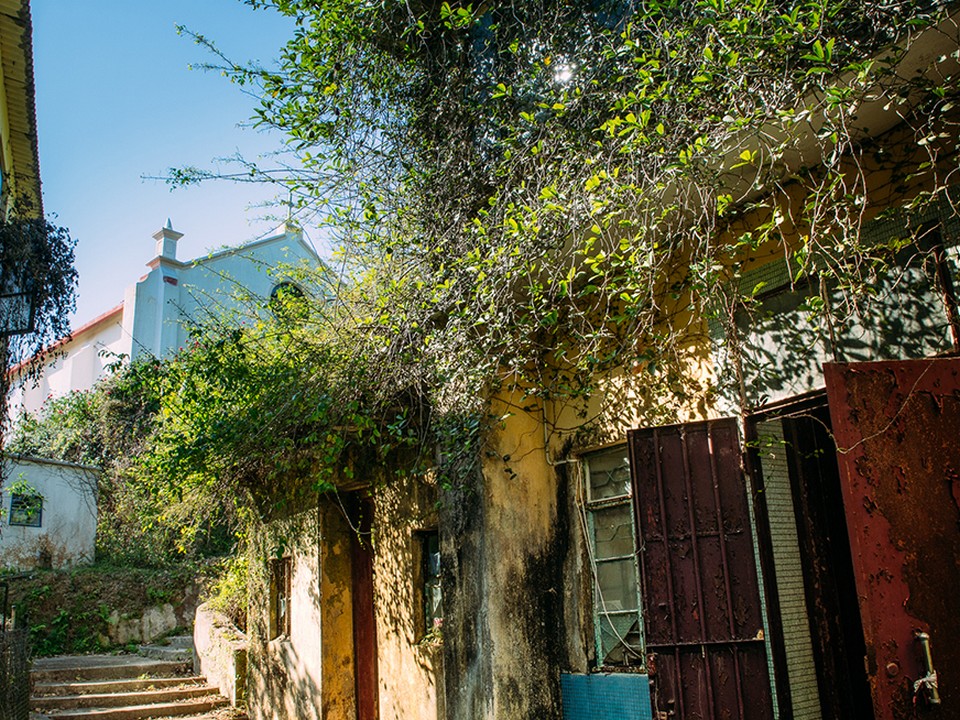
(795,555)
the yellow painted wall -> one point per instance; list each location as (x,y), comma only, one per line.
(308,675)
(410,668)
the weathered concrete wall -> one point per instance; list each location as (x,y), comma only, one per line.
(467,662)
(308,674)
(220,653)
(411,681)
(68,527)
(515,617)
(784,345)
(336,597)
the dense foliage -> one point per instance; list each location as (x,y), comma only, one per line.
(528,199)
(143,519)
(532,195)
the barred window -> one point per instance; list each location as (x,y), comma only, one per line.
(280,596)
(430,583)
(616,607)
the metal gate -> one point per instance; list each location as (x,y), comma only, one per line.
(701,602)
(14,675)
(897,429)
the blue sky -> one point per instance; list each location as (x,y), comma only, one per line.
(116,101)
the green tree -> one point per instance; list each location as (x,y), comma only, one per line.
(111,426)
(537,193)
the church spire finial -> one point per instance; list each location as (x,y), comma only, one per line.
(166,238)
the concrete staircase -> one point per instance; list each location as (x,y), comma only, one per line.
(120,687)
(178,648)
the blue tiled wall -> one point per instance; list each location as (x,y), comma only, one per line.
(606,697)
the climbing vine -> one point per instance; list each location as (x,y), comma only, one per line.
(537,196)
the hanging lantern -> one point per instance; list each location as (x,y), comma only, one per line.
(18,305)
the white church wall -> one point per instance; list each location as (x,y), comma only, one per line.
(78,364)
(152,319)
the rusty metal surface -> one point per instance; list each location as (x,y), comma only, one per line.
(701,602)
(897,429)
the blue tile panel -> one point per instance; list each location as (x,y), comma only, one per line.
(615,696)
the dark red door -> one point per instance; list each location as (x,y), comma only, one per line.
(364,617)
(701,602)
(897,429)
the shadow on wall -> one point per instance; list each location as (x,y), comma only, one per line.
(279,683)
(785,344)
(410,654)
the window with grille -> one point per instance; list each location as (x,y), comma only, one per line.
(430,581)
(618,627)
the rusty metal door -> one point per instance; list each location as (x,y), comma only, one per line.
(897,429)
(701,601)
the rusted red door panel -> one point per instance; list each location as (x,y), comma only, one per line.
(897,429)
(701,601)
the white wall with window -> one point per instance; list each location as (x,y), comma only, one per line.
(49,513)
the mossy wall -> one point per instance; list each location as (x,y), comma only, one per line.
(514,591)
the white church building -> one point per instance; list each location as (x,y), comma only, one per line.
(153,317)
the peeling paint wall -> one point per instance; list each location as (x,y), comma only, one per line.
(307,675)
(410,665)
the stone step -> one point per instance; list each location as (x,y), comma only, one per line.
(137,712)
(182,641)
(224,713)
(169,653)
(121,699)
(45,689)
(66,669)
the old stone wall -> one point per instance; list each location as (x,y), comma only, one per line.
(220,653)
(512,561)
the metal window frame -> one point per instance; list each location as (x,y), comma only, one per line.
(593,506)
(425,579)
(22,498)
(281,596)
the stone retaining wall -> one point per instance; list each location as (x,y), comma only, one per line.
(220,653)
